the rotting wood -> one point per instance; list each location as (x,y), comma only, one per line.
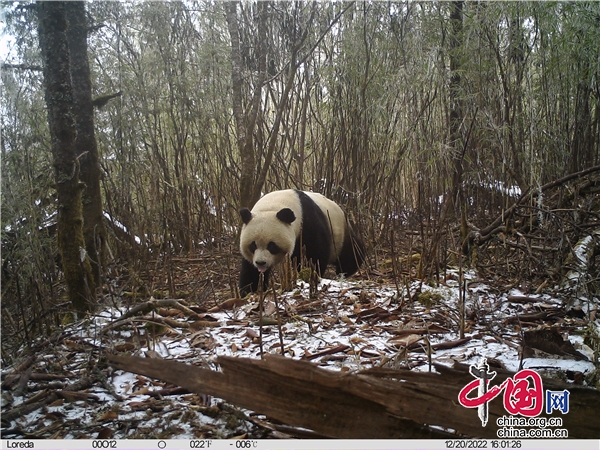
(354,406)
(293,392)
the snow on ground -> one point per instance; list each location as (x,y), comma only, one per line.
(349,326)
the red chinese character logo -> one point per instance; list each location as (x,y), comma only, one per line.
(519,397)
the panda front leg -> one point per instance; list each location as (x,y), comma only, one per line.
(250,277)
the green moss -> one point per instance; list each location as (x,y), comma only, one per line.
(429,298)
(67,319)
(155,328)
(304,274)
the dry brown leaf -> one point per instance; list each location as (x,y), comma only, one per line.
(170,312)
(251,333)
(109,415)
(136,406)
(406,341)
(228,304)
(200,340)
(124,348)
(142,391)
(201,324)
(58,402)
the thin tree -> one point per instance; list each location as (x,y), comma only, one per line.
(52,26)
(455,119)
(245,123)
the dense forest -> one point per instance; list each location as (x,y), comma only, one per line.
(456,133)
(461,138)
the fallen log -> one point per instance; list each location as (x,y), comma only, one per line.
(399,405)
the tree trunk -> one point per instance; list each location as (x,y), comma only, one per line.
(52,27)
(94,230)
(244,142)
(262,176)
(455,119)
(581,144)
(245,124)
(456,107)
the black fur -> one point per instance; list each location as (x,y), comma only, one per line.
(250,277)
(246,215)
(316,238)
(352,254)
(286,215)
(315,235)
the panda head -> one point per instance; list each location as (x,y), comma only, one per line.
(267,236)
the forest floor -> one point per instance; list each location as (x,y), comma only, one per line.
(64,388)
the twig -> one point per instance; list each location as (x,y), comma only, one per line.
(150,305)
(278,320)
(26,408)
(261,300)
(480,236)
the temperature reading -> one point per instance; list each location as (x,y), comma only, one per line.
(243,443)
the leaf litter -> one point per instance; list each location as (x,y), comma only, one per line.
(345,326)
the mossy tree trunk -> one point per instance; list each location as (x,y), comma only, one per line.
(94,230)
(52,26)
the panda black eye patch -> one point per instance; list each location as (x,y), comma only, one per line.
(252,247)
(273,248)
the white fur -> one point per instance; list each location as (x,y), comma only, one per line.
(265,227)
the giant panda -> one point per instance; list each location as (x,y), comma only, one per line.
(282,222)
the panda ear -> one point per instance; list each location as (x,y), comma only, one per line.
(246,215)
(286,215)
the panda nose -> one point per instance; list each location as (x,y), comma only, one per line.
(261,263)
